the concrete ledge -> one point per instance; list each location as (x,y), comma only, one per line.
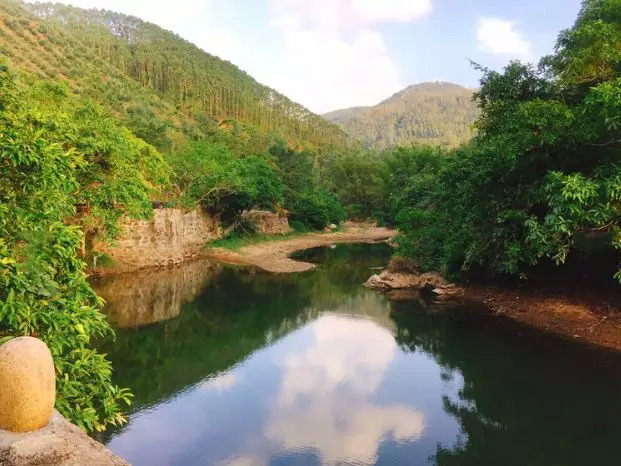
(58,443)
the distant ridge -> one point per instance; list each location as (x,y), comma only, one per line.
(437,113)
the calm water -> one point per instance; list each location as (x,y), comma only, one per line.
(235,366)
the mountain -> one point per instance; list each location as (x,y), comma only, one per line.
(344,115)
(436,113)
(164,88)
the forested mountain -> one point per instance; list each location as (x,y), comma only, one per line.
(163,87)
(432,113)
(344,115)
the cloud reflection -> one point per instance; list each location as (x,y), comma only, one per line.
(224,381)
(325,402)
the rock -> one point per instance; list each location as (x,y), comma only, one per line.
(430,281)
(332,227)
(59,443)
(28,384)
(448,292)
(376,283)
(388,280)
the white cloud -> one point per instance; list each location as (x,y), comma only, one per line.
(499,37)
(326,14)
(334,55)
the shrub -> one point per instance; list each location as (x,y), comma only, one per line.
(56,151)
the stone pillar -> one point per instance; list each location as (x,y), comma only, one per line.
(31,431)
(27,385)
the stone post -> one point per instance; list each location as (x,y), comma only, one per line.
(27,385)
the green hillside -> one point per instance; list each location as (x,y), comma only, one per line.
(163,88)
(430,113)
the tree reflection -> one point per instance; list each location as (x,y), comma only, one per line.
(213,326)
(533,399)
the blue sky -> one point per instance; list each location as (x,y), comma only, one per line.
(330,54)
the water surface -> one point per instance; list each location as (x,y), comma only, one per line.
(236,366)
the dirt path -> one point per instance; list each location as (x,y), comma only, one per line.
(273,256)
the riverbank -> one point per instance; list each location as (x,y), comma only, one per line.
(589,316)
(273,256)
(585,314)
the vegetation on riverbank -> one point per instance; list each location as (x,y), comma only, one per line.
(59,152)
(234,242)
(542,173)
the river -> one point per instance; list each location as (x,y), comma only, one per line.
(234,366)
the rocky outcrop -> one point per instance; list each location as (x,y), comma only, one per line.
(172,236)
(58,443)
(401,278)
(268,223)
(388,280)
(27,384)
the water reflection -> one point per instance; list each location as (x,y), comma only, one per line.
(526,397)
(314,369)
(153,296)
(321,395)
(325,399)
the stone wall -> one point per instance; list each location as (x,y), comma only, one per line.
(268,223)
(172,236)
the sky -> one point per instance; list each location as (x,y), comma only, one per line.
(332,54)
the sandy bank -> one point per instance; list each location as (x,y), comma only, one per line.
(273,256)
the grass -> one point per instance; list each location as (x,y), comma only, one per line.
(234,242)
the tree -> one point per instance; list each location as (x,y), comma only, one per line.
(210,175)
(53,157)
(545,164)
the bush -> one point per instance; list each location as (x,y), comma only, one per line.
(56,151)
(212,176)
(317,210)
(542,169)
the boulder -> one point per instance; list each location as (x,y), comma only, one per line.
(27,384)
(375,282)
(388,280)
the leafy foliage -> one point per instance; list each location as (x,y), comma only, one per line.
(306,196)
(212,176)
(58,151)
(543,168)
